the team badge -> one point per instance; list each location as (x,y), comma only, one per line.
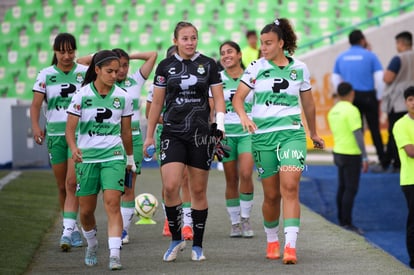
(117,103)
(252,81)
(127,83)
(79,78)
(201,69)
(160,79)
(293,75)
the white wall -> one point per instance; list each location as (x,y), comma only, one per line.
(6,129)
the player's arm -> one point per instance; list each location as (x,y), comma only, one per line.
(126,134)
(149,58)
(238,104)
(308,106)
(85,60)
(71,124)
(219,105)
(38,133)
(359,137)
(153,116)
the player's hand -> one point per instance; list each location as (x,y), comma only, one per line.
(248,125)
(39,136)
(221,150)
(365,166)
(77,155)
(147,142)
(131,163)
(318,143)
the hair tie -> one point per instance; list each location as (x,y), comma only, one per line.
(277,23)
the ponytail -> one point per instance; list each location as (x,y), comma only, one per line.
(99,59)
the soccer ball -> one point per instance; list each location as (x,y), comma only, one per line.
(146,205)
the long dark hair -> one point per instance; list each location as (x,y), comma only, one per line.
(100,59)
(63,42)
(121,53)
(235,46)
(284,31)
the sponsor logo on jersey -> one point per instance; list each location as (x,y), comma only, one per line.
(293,75)
(79,78)
(201,69)
(171,70)
(117,103)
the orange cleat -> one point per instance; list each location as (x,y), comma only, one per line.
(166,230)
(273,251)
(289,255)
(187,233)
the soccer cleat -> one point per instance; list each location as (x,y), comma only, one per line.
(90,258)
(65,244)
(115,263)
(76,239)
(236,230)
(247,230)
(124,237)
(197,254)
(289,255)
(171,253)
(273,251)
(187,233)
(166,230)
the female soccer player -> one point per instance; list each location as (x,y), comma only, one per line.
(56,85)
(182,81)
(132,84)
(239,165)
(103,112)
(278,82)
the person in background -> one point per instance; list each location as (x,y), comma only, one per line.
(403,132)
(278,82)
(103,112)
(362,69)
(238,167)
(398,76)
(182,84)
(56,85)
(251,51)
(349,152)
(133,85)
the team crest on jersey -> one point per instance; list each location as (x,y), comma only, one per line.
(201,69)
(42,85)
(127,83)
(79,78)
(76,107)
(293,75)
(117,103)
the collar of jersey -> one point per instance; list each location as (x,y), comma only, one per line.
(95,91)
(62,72)
(197,54)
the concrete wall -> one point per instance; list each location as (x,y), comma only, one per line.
(321,61)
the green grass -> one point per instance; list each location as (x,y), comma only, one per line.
(28,208)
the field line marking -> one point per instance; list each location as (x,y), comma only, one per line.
(8,178)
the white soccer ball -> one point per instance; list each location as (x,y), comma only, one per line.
(146,205)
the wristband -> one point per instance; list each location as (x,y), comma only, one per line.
(130,161)
(220,121)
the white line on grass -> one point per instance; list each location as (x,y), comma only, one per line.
(8,178)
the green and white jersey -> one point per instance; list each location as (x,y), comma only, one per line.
(232,122)
(133,85)
(58,88)
(276,100)
(99,136)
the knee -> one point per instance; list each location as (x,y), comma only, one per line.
(290,191)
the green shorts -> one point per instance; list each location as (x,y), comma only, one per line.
(58,149)
(285,151)
(238,145)
(92,177)
(138,154)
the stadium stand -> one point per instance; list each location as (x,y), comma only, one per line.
(28,27)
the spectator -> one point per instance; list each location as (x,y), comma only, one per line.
(362,69)
(398,77)
(349,152)
(404,138)
(251,51)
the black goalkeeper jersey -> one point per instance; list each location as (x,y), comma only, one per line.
(187,84)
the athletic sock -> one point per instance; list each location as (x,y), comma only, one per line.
(246,204)
(233,209)
(163,208)
(291,229)
(114,244)
(187,214)
(127,212)
(90,237)
(69,223)
(272,231)
(199,223)
(174,216)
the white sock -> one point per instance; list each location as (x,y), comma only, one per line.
(114,244)
(246,208)
(163,209)
(90,237)
(291,235)
(272,234)
(234,214)
(68,227)
(127,215)
(187,219)
(76,228)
